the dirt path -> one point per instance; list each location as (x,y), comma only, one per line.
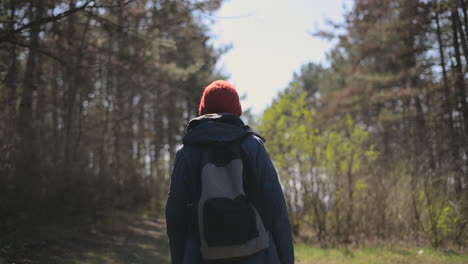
(142,241)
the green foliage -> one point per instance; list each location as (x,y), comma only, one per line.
(388,157)
(438,218)
(289,124)
(307,80)
(347,150)
(392,114)
(314,157)
(361,185)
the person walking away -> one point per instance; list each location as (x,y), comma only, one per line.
(225,202)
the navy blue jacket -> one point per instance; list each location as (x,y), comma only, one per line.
(267,195)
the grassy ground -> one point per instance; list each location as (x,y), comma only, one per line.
(314,255)
(141,239)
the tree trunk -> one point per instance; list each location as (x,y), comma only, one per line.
(26,164)
(448,101)
(350,202)
(461,88)
(11,76)
(459,26)
(465,15)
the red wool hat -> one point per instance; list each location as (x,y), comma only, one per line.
(220,97)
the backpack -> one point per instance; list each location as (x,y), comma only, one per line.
(228,225)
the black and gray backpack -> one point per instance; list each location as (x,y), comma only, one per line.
(228,224)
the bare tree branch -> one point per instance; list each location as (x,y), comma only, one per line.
(112,6)
(38,49)
(7,34)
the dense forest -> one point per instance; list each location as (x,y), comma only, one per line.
(94,97)
(371,148)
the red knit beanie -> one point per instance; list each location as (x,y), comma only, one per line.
(220,97)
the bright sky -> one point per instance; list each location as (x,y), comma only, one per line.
(271,40)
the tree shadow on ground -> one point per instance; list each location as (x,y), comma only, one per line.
(143,241)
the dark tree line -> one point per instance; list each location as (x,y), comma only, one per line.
(94,96)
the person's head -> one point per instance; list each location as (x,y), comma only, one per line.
(220,97)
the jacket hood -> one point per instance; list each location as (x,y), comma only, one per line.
(215,128)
